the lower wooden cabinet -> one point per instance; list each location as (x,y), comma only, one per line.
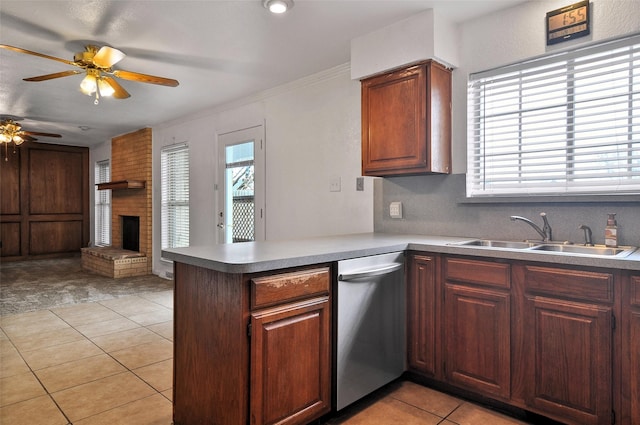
(290,363)
(631,345)
(251,349)
(567,338)
(559,341)
(423,309)
(476,326)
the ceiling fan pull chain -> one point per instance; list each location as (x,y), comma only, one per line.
(95,102)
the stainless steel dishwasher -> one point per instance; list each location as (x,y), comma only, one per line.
(371,325)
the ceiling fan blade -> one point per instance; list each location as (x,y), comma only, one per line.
(28,138)
(52,76)
(119,91)
(144,78)
(29,52)
(37,133)
(107,57)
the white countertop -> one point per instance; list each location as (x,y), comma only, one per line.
(251,257)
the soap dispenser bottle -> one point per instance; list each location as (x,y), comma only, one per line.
(611,232)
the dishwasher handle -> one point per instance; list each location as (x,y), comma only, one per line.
(370,273)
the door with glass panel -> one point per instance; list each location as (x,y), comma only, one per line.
(241,186)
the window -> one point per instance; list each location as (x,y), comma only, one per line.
(102,205)
(568,123)
(175,196)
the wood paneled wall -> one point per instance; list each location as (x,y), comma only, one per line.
(44,201)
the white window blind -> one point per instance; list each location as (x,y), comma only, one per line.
(175,196)
(102,204)
(568,123)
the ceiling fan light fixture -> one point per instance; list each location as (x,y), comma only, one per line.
(17,140)
(105,88)
(89,84)
(277,6)
(4,138)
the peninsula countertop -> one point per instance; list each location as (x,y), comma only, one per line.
(252,257)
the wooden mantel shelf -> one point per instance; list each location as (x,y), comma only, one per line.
(122,184)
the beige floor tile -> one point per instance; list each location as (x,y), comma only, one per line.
(158,375)
(154,410)
(389,411)
(125,339)
(85,314)
(168,394)
(144,354)
(426,399)
(471,414)
(99,396)
(164,329)
(78,372)
(11,363)
(92,330)
(17,388)
(38,341)
(132,305)
(40,410)
(21,325)
(59,354)
(164,298)
(161,315)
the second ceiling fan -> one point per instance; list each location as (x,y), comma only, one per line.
(97,62)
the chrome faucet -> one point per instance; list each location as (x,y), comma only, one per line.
(545,232)
(587,234)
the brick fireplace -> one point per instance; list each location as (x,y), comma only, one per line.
(131,161)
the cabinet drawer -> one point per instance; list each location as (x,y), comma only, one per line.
(576,284)
(635,290)
(481,272)
(277,289)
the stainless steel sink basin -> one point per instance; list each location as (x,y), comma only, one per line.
(500,244)
(621,251)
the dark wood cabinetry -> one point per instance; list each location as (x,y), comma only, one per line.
(423,319)
(567,338)
(251,348)
(477,326)
(44,201)
(631,348)
(406,121)
(537,337)
(290,350)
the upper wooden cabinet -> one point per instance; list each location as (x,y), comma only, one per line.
(406,121)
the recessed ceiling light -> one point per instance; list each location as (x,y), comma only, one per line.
(277,6)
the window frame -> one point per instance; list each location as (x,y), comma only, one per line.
(173,202)
(564,191)
(102,204)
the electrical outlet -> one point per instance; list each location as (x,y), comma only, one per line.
(359,183)
(395,210)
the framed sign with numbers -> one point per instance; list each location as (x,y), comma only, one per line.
(568,22)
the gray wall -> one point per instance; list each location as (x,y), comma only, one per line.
(435,205)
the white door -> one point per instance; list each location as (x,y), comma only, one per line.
(241,186)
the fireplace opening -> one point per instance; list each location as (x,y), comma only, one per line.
(131,233)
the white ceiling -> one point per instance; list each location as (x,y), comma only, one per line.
(219,51)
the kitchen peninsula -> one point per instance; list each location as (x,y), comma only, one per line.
(251,316)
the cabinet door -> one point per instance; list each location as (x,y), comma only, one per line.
(421,315)
(478,335)
(290,363)
(569,359)
(406,121)
(632,386)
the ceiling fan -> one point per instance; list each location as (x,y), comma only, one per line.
(96,63)
(11,131)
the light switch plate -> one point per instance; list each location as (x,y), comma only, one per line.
(334,184)
(395,209)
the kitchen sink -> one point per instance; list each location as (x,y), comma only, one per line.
(552,247)
(621,251)
(500,244)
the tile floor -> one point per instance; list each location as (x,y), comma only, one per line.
(110,362)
